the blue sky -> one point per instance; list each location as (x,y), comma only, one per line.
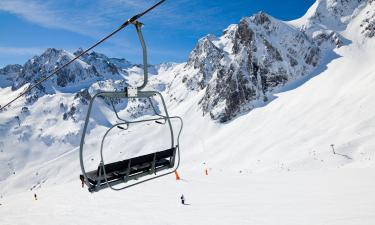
(28,27)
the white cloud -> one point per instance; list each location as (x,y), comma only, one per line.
(92,18)
(17,51)
(49,14)
(81,16)
(33,11)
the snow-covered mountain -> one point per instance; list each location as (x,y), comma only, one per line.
(266,95)
(247,63)
(255,58)
(237,71)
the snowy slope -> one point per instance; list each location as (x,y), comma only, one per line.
(342,197)
(271,165)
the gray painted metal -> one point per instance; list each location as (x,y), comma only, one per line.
(124,94)
(138,27)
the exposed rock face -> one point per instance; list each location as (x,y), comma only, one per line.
(368,24)
(40,66)
(8,73)
(369,27)
(89,69)
(102,64)
(84,96)
(204,58)
(11,70)
(248,61)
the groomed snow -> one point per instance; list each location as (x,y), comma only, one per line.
(329,197)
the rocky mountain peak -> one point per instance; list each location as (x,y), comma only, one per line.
(204,48)
(330,14)
(260,18)
(245,64)
(103,65)
(39,66)
(204,58)
(91,73)
(11,70)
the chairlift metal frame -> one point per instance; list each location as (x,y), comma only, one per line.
(102,181)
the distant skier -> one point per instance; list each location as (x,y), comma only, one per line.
(182,199)
(82,181)
(35,197)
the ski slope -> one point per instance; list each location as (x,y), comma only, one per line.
(342,197)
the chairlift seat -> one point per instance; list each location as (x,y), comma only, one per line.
(139,166)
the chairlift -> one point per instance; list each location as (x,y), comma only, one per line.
(136,170)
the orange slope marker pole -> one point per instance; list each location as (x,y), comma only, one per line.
(177,175)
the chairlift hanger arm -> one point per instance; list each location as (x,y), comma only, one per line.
(125,24)
(138,27)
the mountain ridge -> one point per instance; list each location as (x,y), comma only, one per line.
(238,69)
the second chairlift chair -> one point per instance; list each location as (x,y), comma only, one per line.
(138,169)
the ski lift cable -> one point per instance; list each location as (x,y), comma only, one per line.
(132,20)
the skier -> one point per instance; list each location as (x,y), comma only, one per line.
(82,181)
(182,199)
(35,197)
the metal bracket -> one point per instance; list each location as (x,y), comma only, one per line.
(137,23)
